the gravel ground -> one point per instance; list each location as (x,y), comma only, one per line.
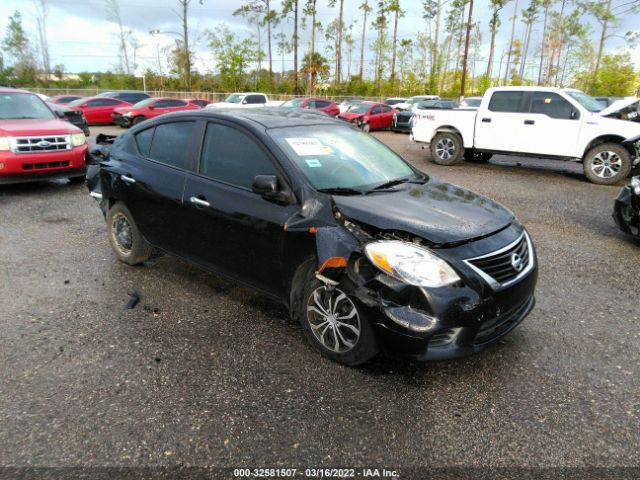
(205,373)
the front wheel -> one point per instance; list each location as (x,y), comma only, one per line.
(446,148)
(138,120)
(366,128)
(126,240)
(607,164)
(335,325)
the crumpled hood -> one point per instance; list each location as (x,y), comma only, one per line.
(35,127)
(436,211)
(618,105)
(350,116)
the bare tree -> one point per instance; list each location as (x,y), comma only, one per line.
(260,12)
(42,10)
(513,33)
(394,6)
(494,24)
(290,7)
(366,9)
(113,15)
(529,16)
(332,3)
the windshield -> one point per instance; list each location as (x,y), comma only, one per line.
(293,103)
(143,103)
(586,101)
(359,108)
(77,102)
(234,98)
(106,94)
(23,106)
(341,157)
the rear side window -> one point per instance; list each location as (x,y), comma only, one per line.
(170,103)
(255,99)
(375,110)
(107,102)
(322,103)
(551,104)
(231,156)
(506,102)
(143,141)
(96,103)
(171,142)
(200,103)
(386,109)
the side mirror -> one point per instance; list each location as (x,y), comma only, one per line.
(575,115)
(152,107)
(244,102)
(265,185)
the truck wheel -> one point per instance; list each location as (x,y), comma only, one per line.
(446,148)
(126,240)
(607,164)
(477,157)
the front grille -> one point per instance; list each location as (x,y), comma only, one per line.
(54,143)
(41,165)
(505,266)
(494,328)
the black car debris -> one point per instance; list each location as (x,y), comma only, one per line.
(626,212)
(367,252)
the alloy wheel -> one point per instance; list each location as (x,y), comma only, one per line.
(606,164)
(122,233)
(445,148)
(333,319)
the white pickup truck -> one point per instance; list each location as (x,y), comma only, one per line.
(245,100)
(557,123)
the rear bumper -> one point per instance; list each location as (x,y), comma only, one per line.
(124,122)
(19,168)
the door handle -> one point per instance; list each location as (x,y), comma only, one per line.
(529,122)
(199,202)
(486,120)
(127,179)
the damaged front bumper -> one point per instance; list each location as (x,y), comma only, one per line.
(626,212)
(428,324)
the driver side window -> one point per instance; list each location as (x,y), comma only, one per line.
(233,157)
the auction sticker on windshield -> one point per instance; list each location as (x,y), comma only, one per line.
(309,147)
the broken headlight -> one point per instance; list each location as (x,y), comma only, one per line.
(411,264)
(635,185)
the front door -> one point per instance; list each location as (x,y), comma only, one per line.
(232,229)
(502,127)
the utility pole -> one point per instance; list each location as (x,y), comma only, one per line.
(466,50)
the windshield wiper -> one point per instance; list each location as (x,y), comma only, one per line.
(342,191)
(398,181)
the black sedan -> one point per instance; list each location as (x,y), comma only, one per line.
(627,208)
(402,121)
(366,252)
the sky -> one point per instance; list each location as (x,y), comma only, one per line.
(82,39)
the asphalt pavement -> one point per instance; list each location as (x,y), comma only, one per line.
(205,373)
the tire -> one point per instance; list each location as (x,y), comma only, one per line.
(607,164)
(351,348)
(366,127)
(477,157)
(446,148)
(126,240)
(138,120)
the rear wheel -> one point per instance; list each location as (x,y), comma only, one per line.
(446,148)
(335,325)
(607,164)
(126,240)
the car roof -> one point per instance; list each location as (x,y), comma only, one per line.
(267,117)
(14,90)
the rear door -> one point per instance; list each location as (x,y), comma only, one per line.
(501,127)
(150,180)
(232,229)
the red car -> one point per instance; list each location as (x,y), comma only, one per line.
(36,143)
(97,109)
(65,99)
(150,108)
(199,102)
(369,116)
(323,104)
